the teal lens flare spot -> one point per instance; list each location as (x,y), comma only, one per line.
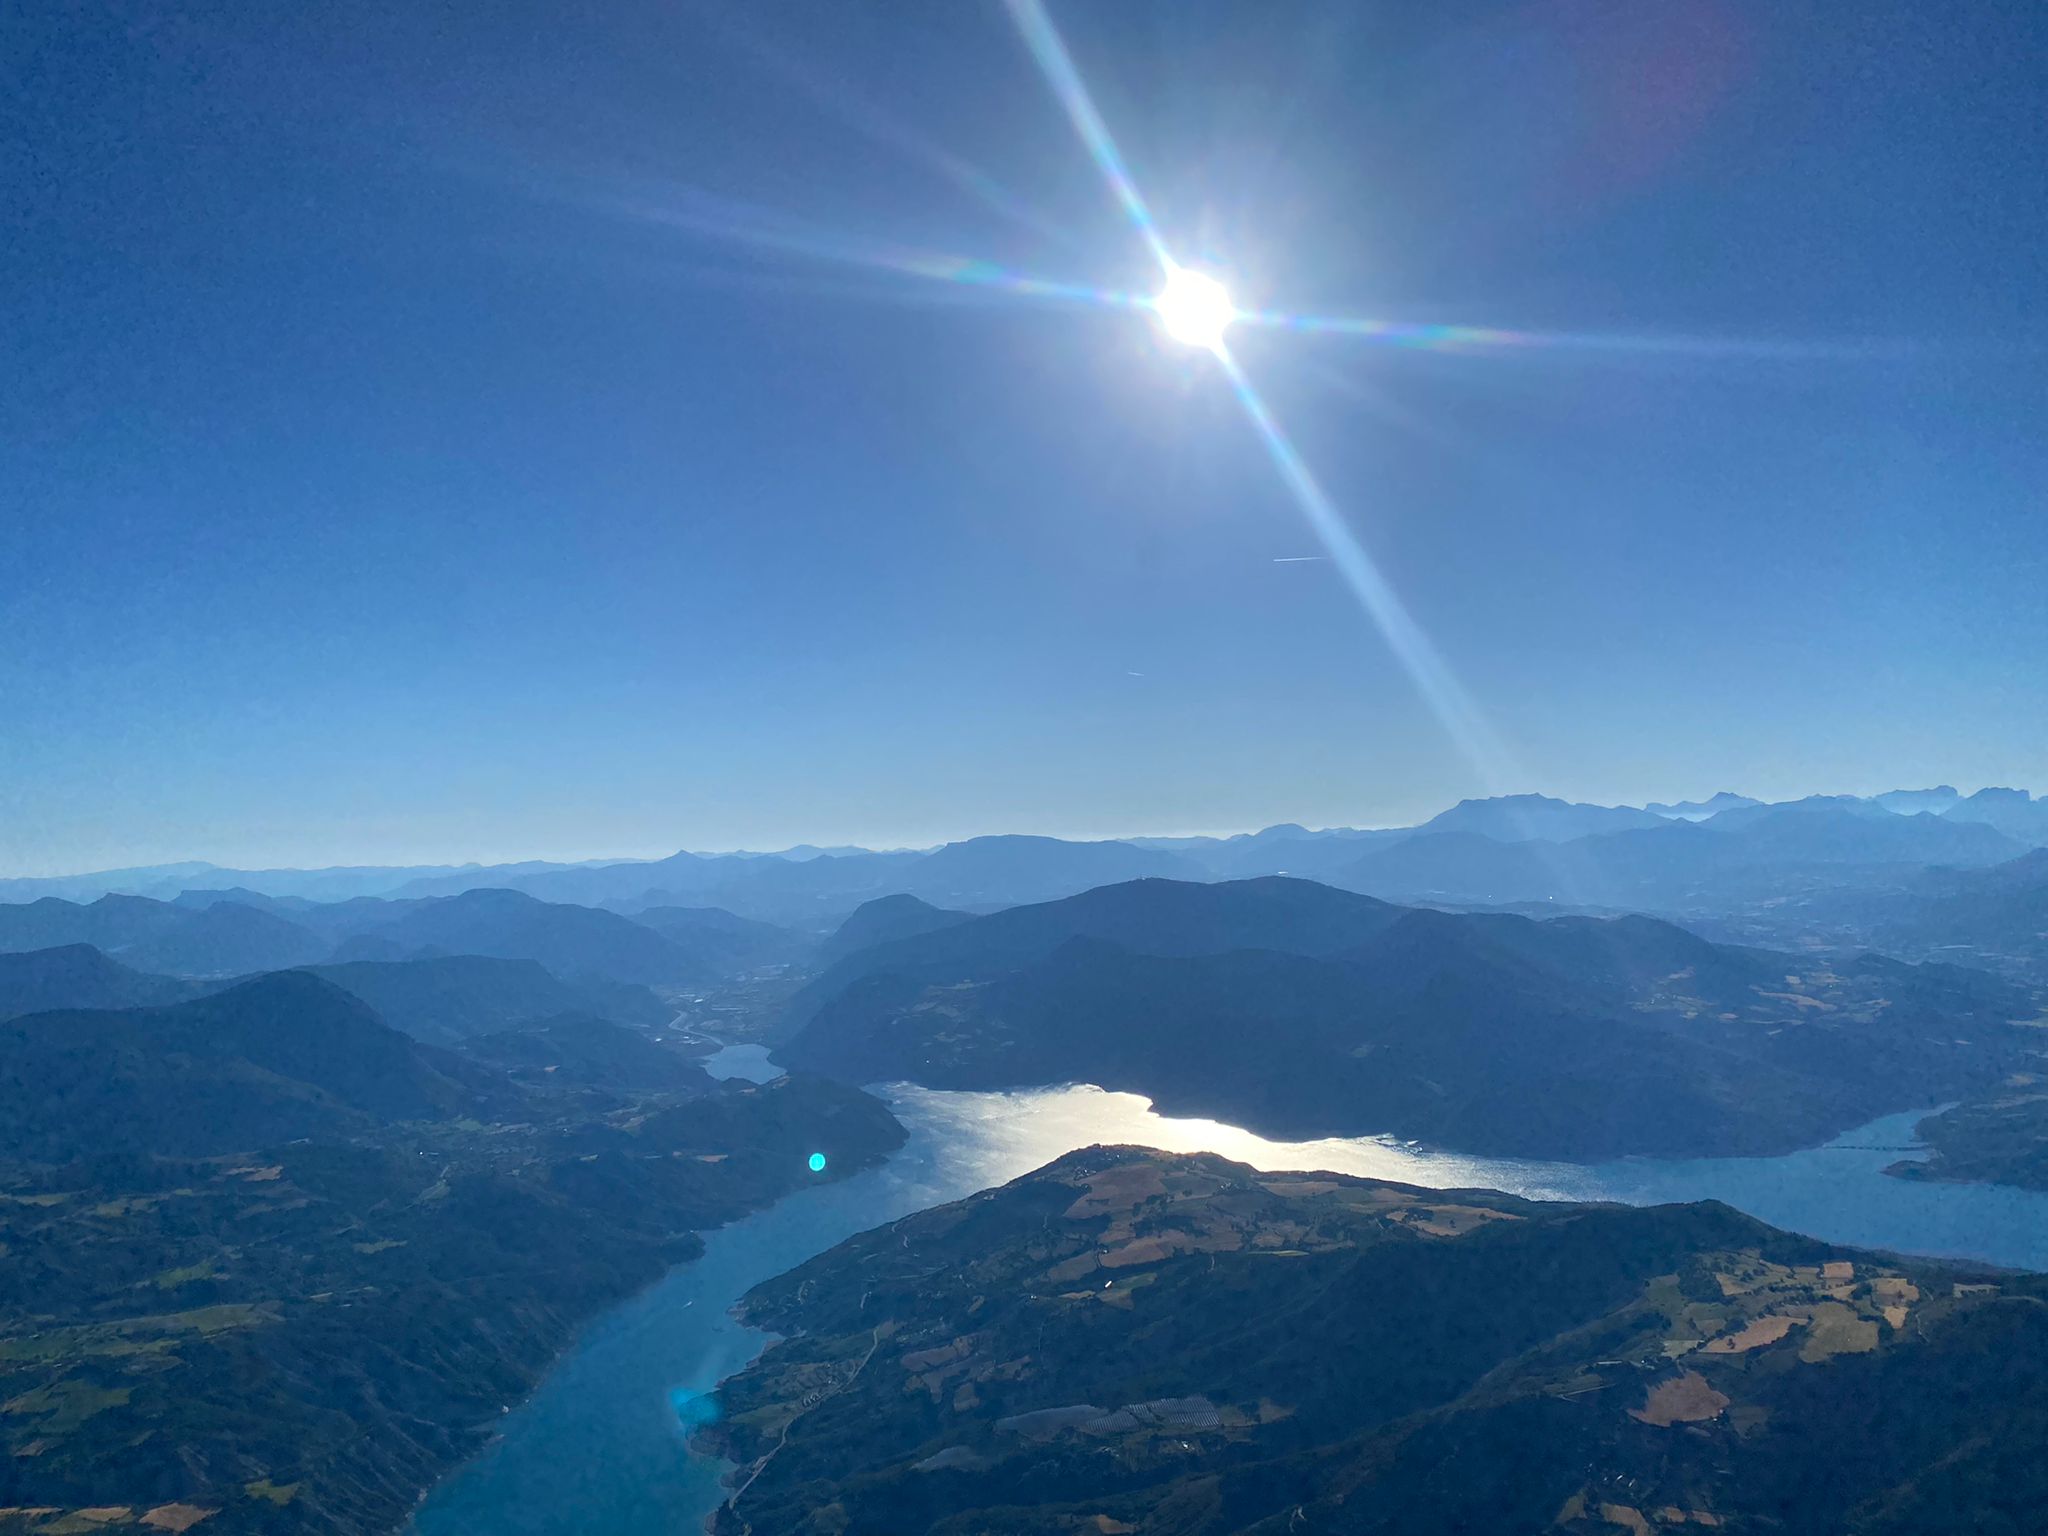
(817,1162)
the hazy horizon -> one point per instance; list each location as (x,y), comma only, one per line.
(661,850)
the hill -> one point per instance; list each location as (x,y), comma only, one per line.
(1298,1011)
(1127,1341)
(587,1053)
(1163,917)
(571,941)
(79,976)
(2002,1139)
(225,938)
(447,998)
(885,920)
(1996,916)
(283,1056)
(719,943)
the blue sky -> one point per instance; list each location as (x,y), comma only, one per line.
(407,456)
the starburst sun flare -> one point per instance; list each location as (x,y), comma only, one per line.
(1194,308)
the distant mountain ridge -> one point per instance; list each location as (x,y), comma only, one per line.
(571,941)
(1700,810)
(1535,818)
(225,938)
(814,889)
(72,976)
(2014,812)
(215,936)
(1738,855)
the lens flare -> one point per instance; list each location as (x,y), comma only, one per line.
(1194,308)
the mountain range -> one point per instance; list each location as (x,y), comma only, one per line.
(813,889)
(219,934)
(1742,856)
(220,939)
(1289,1006)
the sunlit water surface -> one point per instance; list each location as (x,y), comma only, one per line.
(601,1446)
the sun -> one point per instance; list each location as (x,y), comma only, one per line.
(1193,308)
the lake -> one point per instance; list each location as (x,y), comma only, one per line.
(749,1062)
(601,1445)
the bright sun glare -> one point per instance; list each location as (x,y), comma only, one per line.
(1194,309)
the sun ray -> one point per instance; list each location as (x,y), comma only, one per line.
(1047,47)
(1435,337)
(730,221)
(1411,645)
(871,120)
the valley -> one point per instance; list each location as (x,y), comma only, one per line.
(340,1257)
